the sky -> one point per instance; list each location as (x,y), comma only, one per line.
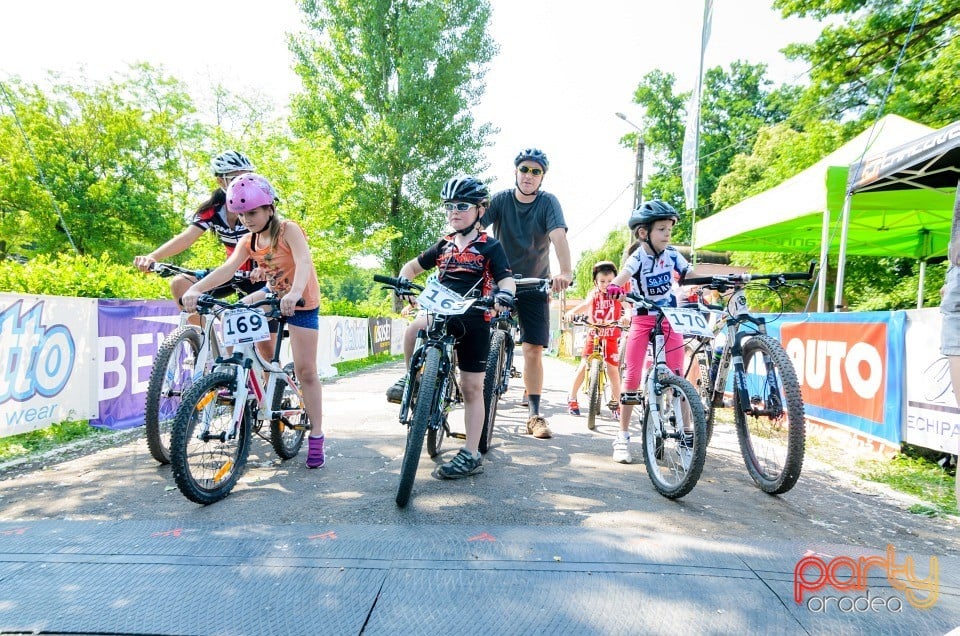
(563,70)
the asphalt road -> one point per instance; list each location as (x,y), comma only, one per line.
(569,480)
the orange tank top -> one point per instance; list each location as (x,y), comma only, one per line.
(280,266)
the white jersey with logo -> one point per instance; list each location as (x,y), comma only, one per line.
(654,277)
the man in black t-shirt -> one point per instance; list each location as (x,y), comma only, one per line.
(527,221)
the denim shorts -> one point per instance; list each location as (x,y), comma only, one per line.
(950,311)
(306,318)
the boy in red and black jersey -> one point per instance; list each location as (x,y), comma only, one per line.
(470,263)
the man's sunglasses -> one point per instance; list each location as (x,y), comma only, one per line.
(534,171)
(459,207)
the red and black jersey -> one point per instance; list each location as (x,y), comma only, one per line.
(475,268)
(214,219)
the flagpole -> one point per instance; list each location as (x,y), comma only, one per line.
(691,137)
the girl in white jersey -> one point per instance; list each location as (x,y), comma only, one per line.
(651,269)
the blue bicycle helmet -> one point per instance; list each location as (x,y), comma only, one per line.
(532,154)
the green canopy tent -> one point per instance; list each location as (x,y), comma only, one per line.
(798,214)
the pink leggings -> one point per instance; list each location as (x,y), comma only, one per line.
(637,340)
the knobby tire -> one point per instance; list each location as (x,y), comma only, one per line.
(425,409)
(206,471)
(594,392)
(286,437)
(166,388)
(772,448)
(662,453)
(493,380)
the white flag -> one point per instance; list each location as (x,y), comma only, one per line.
(691,136)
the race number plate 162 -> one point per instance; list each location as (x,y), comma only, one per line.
(244,325)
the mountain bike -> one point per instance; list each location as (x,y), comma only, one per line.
(767,401)
(213,427)
(184,355)
(427,393)
(500,369)
(596,384)
(674,427)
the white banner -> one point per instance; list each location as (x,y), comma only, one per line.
(397,329)
(348,338)
(691,134)
(932,416)
(48,361)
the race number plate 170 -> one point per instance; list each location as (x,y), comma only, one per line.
(687,321)
(244,325)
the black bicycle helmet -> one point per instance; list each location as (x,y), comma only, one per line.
(469,189)
(604,265)
(230,161)
(532,154)
(650,211)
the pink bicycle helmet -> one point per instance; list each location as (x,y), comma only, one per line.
(249,191)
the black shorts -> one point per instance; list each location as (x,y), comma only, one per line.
(472,332)
(533,311)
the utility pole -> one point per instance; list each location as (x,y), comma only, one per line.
(638,175)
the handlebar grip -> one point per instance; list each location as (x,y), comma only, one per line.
(386,280)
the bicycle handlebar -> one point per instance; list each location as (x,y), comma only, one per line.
(527,285)
(165,270)
(408,287)
(724,280)
(583,319)
(206,302)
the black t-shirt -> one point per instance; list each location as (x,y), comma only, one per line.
(524,228)
(474,269)
(214,219)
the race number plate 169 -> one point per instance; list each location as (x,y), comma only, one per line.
(244,325)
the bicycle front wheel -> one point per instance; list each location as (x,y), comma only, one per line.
(436,434)
(494,378)
(171,376)
(594,392)
(674,438)
(424,411)
(773,432)
(206,454)
(699,375)
(286,433)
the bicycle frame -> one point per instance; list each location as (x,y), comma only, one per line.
(252,371)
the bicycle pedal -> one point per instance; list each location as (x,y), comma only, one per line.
(459,435)
(631,397)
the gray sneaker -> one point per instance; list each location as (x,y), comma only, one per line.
(395,392)
(463,465)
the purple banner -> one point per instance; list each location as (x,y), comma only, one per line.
(130,332)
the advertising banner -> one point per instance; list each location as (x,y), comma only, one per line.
(850,367)
(49,363)
(932,417)
(380,335)
(397,330)
(129,334)
(348,338)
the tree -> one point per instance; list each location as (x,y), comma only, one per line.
(390,83)
(853,58)
(736,104)
(83,165)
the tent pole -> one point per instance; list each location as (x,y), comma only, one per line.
(824,262)
(923,275)
(842,257)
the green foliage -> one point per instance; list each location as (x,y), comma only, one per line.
(853,58)
(612,250)
(390,83)
(80,276)
(916,475)
(24,444)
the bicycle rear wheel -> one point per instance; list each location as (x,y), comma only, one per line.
(286,434)
(772,435)
(171,376)
(699,375)
(436,435)
(494,380)
(425,409)
(207,456)
(594,392)
(675,448)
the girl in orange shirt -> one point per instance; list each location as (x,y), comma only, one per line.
(283,257)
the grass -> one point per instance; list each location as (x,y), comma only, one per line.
(914,474)
(45,439)
(58,435)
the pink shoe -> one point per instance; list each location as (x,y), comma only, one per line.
(315,457)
